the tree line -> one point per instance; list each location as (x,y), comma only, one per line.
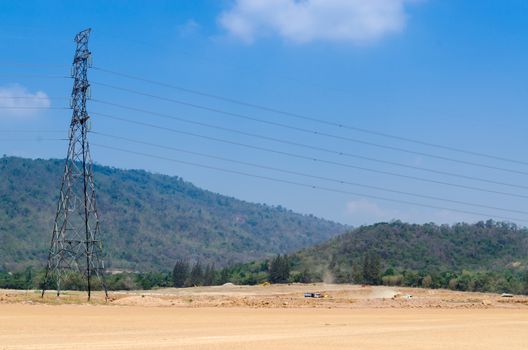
(286,269)
(183,274)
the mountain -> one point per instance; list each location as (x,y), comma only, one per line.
(485,256)
(484,246)
(148,220)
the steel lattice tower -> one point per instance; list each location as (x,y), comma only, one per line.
(75,244)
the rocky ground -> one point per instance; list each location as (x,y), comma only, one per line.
(282,296)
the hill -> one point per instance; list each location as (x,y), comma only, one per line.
(490,246)
(148,220)
(486,256)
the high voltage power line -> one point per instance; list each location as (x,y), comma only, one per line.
(303,174)
(44,76)
(293,173)
(33,131)
(311,158)
(269,138)
(327,189)
(32,98)
(29,64)
(37,108)
(314,132)
(287,113)
(302,145)
(302,116)
(298,144)
(325,150)
(322,149)
(31,139)
(272,109)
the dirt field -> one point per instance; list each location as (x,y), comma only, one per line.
(275,317)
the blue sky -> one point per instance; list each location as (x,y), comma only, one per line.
(450,72)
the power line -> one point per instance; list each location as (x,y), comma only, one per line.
(303,174)
(32,131)
(313,119)
(27,64)
(31,139)
(274,179)
(43,108)
(303,145)
(31,98)
(43,76)
(309,158)
(314,132)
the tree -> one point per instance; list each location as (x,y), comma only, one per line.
(427,281)
(180,273)
(371,268)
(29,277)
(209,275)
(196,277)
(224,276)
(300,276)
(525,282)
(279,269)
(149,280)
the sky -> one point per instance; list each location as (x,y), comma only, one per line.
(355,78)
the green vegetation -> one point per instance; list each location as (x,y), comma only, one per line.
(279,269)
(28,279)
(156,223)
(148,220)
(487,256)
(180,273)
(484,246)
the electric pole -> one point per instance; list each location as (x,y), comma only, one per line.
(76,247)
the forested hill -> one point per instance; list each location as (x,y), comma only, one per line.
(484,246)
(148,220)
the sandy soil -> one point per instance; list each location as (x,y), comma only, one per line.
(275,317)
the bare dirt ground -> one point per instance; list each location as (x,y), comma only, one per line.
(272,317)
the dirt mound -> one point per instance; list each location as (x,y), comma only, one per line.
(142,300)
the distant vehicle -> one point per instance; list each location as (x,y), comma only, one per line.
(312,295)
(507,295)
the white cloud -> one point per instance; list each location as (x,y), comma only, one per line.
(16,100)
(302,21)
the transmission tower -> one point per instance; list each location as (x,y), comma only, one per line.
(75,248)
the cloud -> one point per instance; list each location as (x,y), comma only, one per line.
(16,100)
(302,21)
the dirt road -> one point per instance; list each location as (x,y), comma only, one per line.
(43,327)
(270,317)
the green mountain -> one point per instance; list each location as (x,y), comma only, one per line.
(484,246)
(148,220)
(486,256)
